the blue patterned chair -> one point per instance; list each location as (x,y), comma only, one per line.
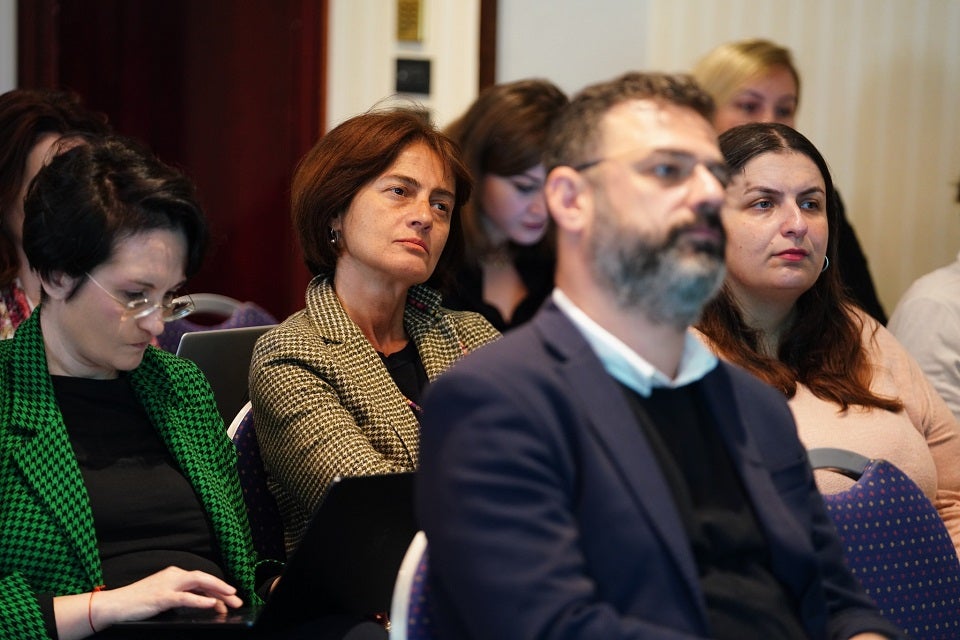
(896,544)
(411,612)
(265,522)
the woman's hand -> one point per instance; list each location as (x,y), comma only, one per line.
(162,591)
(167,589)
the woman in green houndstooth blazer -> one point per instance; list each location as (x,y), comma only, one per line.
(115,468)
(335,388)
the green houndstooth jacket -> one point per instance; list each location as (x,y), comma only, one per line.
(47,539)
(324,404)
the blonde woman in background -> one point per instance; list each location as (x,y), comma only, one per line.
(756,81)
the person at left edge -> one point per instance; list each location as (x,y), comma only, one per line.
(35,125)
(336,387)
(115,468)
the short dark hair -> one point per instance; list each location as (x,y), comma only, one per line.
(503,133)
(350,156)
(98,193)
(25,116)
(574,135)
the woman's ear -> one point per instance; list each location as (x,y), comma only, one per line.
(58,285)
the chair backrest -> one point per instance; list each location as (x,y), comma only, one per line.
(223,355)
(265,522)
(411,610)
(898,547)
(234,313)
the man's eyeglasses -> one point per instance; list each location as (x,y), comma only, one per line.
(670,168)
(142,307)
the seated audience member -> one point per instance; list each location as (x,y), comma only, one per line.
(336,387)
(598,473)
(33,124)
(927,322)
(508,270)
(117,471)
(756,81)
(783,316)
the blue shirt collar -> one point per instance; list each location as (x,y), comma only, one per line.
(626,365)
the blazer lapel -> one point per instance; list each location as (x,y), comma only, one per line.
(615,426)
(44,452)
(723,402)
(344,337)
(435,336)
(207,465)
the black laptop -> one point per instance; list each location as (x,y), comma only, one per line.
(224,357)
(346,564)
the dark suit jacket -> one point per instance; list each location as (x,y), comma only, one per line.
(547,515)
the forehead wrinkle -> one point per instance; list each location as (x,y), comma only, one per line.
(408,180)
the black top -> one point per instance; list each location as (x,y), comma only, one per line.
(854,272)
(743,597)
(535,268)
(146,514)
(406,369)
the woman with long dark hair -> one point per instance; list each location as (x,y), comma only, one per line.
(783,315)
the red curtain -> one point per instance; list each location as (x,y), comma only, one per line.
(230,92)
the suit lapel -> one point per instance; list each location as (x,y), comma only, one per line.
(611,420)
(344,338)
(44,452)
(724,402)
(434,334)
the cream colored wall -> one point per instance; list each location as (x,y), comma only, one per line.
(363,50)
(881,94)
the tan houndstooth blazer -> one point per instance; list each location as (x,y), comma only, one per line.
(324,405)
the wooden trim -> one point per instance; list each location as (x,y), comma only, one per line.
(488,43)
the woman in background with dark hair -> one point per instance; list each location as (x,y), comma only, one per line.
(116,473)
(783,315)
(336,387)
(33,125)
(508,266)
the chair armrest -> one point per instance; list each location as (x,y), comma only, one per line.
(848,463)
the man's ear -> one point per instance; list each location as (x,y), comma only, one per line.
(569,198)
(58,285)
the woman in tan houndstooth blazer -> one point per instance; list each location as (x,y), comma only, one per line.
(335,388)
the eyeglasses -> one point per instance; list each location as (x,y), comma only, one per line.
(670,168)
(142,307)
